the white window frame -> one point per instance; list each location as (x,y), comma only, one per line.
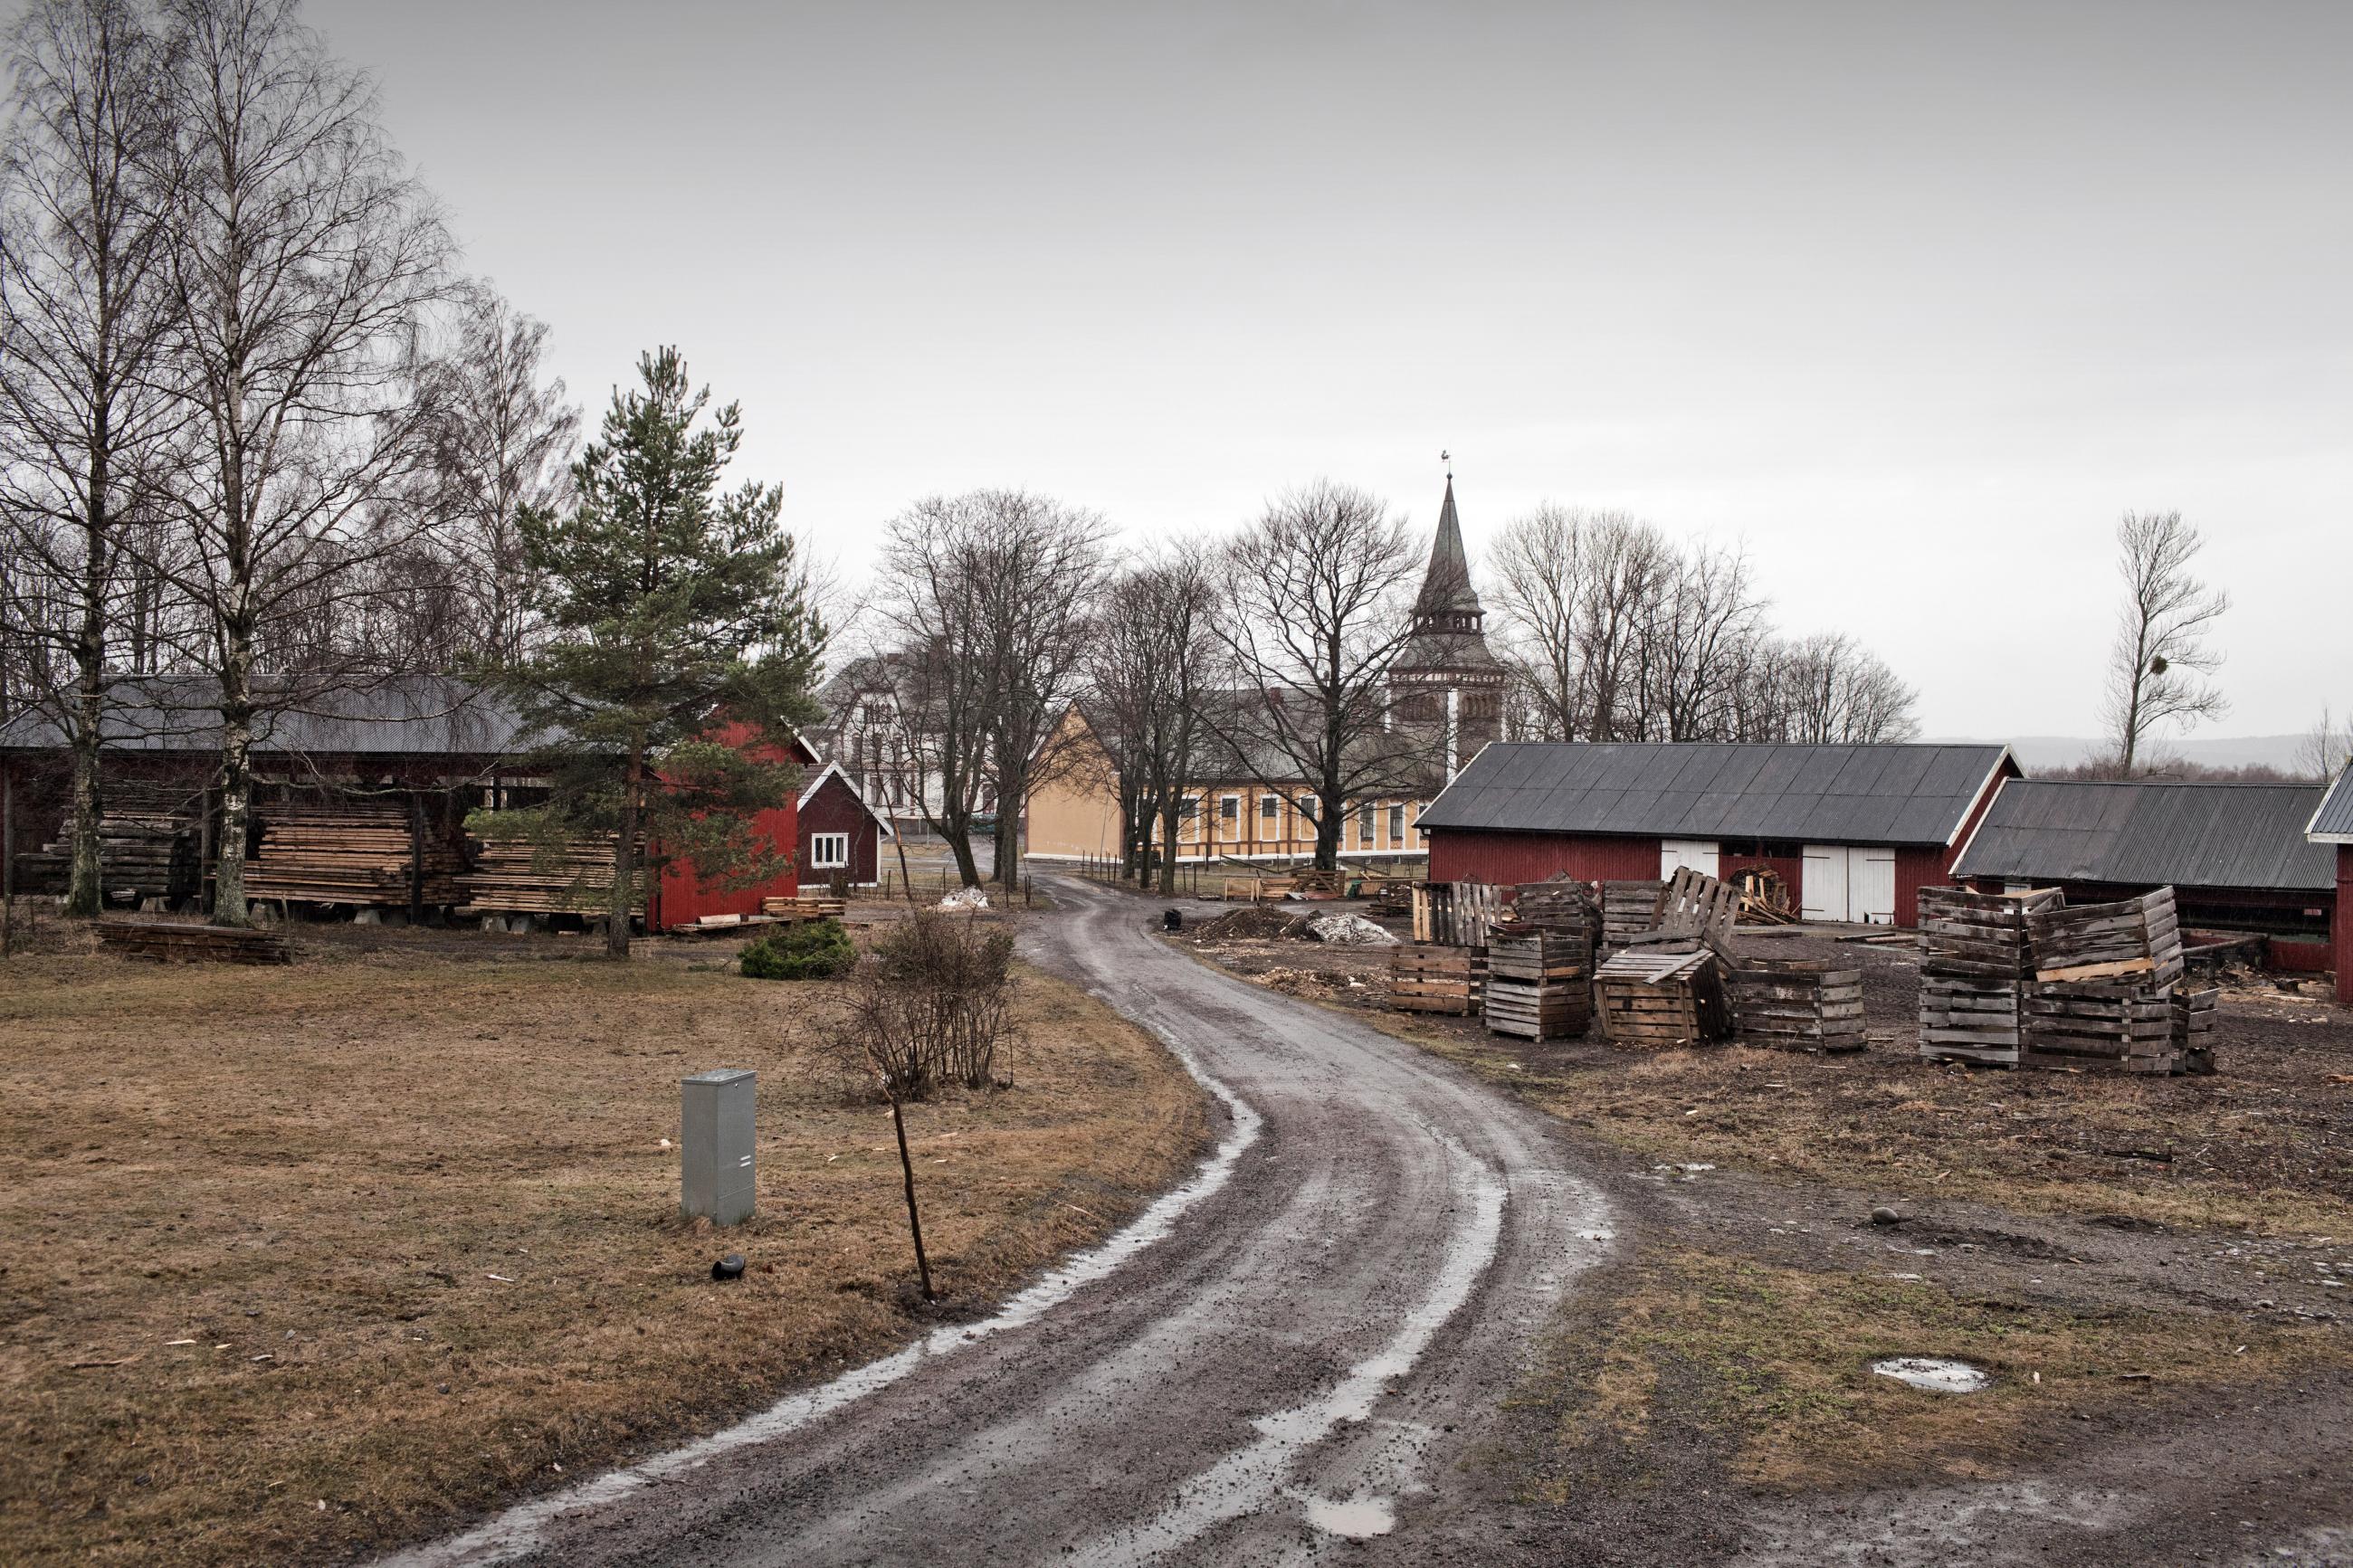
(819,843)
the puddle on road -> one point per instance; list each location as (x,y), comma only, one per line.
(1358,1519)
(1933,1373)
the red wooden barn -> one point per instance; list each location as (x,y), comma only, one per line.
(2234,854)
(841,831)
(1854,831)
(682,898)
(2332,824)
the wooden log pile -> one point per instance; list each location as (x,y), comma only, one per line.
(1975,959)
(1654,999)
(142,852)
(1539,982)
(1628,910)
(180,942)
(1795,1004)
(1434,977)
(512,875)
(363,852)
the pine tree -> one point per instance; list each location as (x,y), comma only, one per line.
(682,647)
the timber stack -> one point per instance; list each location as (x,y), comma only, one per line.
(2102,996)
(1654,999)
(185,942)
(801,906)
(1629,909)
(1797,1005)
(1434,977)
(357,854)
(521,876)
(142,852)
(1539,982)
(1975,961)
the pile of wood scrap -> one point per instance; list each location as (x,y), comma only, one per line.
(1434,977)
(1539,982)
(1764,897)
(181,942)
(1975,961)
(805,907)
(1390,895)
(1455,914)
(363,853)
(2102,996)
(1797,1004)
(1628,910)
(522,877)
(1654,999)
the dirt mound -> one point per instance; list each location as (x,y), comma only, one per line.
(1252,922)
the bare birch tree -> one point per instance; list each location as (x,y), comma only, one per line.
(2161,651)
(1691,644)
(301,261)
(1317,600)
(81,328)
(2325,749)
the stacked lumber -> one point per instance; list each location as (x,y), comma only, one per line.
(804,906)
(2102,997)
(1654,999)
(1539,982)
(1975,959)
(174,942)
(1455,914)
(1797,1005)
(1630,909)
(144,853)
(1435,977)
(517,876)
(362,853)
(2193,1024)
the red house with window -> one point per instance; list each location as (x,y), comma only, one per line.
(682,897)
(841,831)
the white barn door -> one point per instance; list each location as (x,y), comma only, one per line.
(1823,883)
(1675,854)
(1871,885)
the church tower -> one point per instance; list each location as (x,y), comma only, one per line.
(1445,683)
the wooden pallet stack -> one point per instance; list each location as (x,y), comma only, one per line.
(1975,961)
(1539,982)
(179,941)
(1797,1004)
(1654,999)
(1628,910)
(1434,977)
(2102,996)
(363,852)
(144,852)
(1455,914)
(2193,1029)
(1567,907)
(518,877)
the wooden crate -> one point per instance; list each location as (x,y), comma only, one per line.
(1432,977)
(1537,1009)
(1970,1020)
(1654,999)
(1795,1004)
(1971,935)
(1456,914)
(1534,954)
(1630,909)
(2098,1026)
(177,942)
(2138,937)
(1559,906)
(2193,1029)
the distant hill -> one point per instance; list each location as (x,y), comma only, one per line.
(2035,751)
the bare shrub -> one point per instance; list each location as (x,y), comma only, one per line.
(928,1003)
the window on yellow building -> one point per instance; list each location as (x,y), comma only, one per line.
(1396,826)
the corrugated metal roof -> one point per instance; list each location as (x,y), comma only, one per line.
(1821,794)
(2332,820)
(417,715)
(2148,833)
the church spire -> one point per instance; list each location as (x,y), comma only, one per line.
(1445,589)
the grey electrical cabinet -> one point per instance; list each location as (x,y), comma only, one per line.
(715,1134)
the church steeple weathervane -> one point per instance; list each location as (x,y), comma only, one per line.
(1446,679)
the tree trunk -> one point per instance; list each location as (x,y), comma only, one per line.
(84,897)
(1008,869)
(625,867)
(83,892)
(1331,815)
(959,837)
(1169,815)
(237,780)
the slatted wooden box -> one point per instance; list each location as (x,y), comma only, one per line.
(2098,1026)
(1974,961)
(2132,938)
(1630,909)
(1434,977)
(1538,1010)
(1970,1020)
(1796,1004)
(1653,1000)
(2193,1029)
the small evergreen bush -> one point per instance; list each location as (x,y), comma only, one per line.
(813,950)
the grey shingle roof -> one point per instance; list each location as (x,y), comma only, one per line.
(2147,834)
(421,715)
(2332,822)
(1822,795)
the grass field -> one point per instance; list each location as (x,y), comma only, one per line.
(343,1253)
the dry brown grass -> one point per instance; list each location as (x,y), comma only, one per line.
(315,1174)
(1778,1359)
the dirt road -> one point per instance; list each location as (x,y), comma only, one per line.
(1284,1359)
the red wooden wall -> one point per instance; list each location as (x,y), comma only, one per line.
(836,808)
(681,897)
(2341,925)
(1459,857)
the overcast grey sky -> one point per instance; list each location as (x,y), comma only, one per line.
(1912,299)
